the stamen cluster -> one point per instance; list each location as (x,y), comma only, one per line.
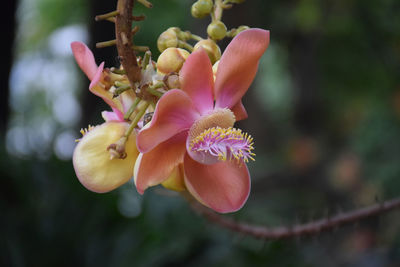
(84,131)
(224,143)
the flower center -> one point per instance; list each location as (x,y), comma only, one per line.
(224,143)
(221,117)
(212,138)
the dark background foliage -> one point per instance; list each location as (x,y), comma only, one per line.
(324,111)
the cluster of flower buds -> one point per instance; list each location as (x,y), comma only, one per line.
(173,42)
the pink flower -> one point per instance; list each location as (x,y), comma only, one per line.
(189,126)
(101,81)
(96,167)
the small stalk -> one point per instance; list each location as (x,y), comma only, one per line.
(195,37)
(121,89)
(132,108)
(139,18)
(117,71)
(185,45)
(106,43)
(111,20)
(107,15)
(136,120)
(218,9)
(146,3)
(153,89)
(146,59)
(135,30)
(140,48)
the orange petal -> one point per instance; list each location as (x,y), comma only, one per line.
(174,113)
(85,59)
(92,163)
(155,166)
(238,66)
(223,187)
(197,80)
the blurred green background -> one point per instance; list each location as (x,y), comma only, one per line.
(324,111)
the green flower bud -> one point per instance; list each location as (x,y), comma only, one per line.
(216,30)
(202,8)
(205,6)
(168,38)
(212,49)
(236,1)
(235,32)
(242,28)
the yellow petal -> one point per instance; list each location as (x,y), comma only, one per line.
(92,163)
(175,180)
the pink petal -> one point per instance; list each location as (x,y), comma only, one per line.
(197,80)
(85,59)
(239,111)
(174,113)
(224,186)
(238,66)
(115,115)
(97,76)
(98,89)
(156,165)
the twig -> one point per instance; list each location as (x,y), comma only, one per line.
(123,35)
(311,228)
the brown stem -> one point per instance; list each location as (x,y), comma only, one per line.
(123,35)
(311,228)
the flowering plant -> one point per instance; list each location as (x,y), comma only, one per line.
(189,143)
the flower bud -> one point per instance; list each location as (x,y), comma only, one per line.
(171,80)
(171,60)
(212,49)
(239,30)
(92,163)
(168,38)
(201,8)
(236,1)
(216,30)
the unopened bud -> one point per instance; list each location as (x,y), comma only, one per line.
(216,30)
(171,60)
(168,38)
(239,30)
(202,8)
(171,80)
(212,49)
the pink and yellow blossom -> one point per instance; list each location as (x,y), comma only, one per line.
(194,127)
(97,166)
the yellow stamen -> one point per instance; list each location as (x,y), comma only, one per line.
(84,131)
